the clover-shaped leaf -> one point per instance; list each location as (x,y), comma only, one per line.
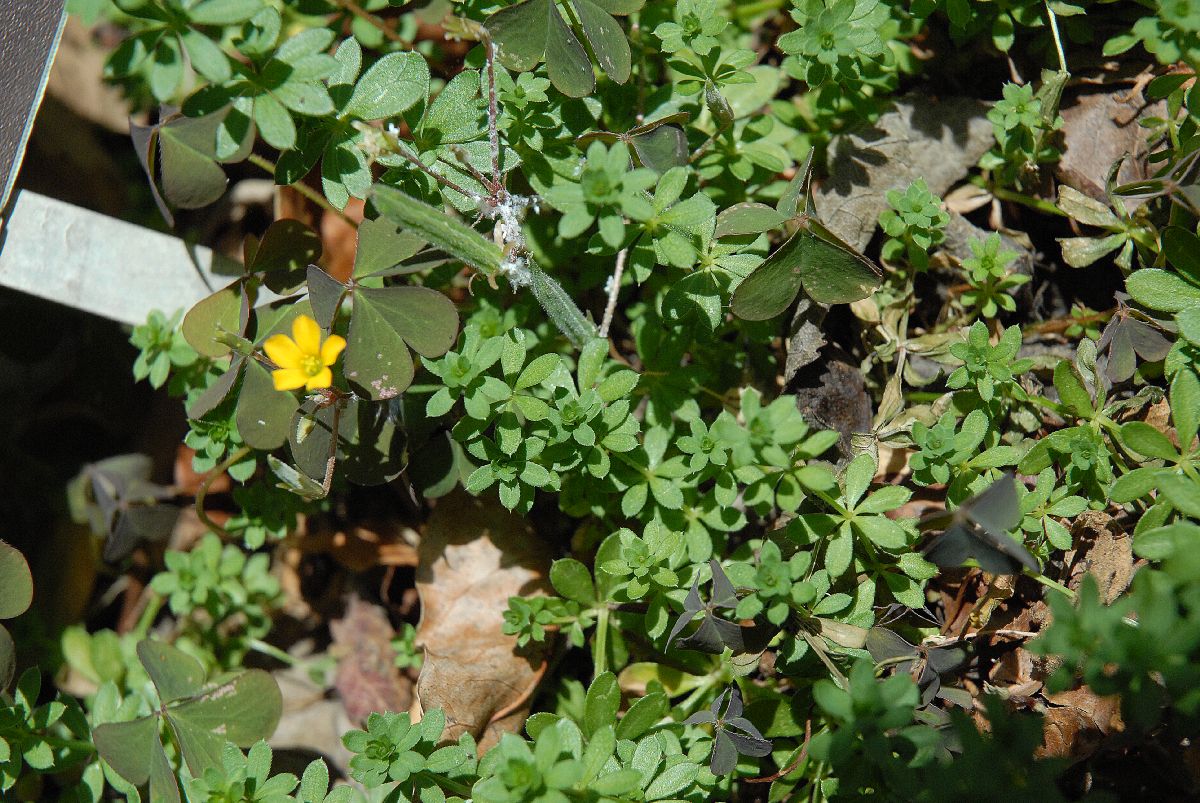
(384,324)
(714,633)
(733,734)
(813,259)
(979,527)
(534,31)
(203,717)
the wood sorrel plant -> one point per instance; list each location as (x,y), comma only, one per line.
(583,224)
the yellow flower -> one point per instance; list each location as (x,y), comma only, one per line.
(303,359)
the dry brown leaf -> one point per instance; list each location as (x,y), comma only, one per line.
(1077,721)
(473,557)
(939,141)
(1098,129)
(367,678)
(1103,550)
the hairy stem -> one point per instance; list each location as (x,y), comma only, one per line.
(613,290)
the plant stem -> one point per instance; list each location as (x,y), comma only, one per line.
(154,603)
(372,20)
(613,290)
(1058,45)
(209,479)
(1026,200)
(258,645)
(1057,586)
(600,643)
(424,168)
(308,192)
(331,461)
(493,112)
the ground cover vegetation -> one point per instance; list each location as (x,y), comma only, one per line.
(766,401)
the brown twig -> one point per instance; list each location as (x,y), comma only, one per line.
(799,759)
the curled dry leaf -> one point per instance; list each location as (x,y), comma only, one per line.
(1077,721)
(367,677)
(473,557)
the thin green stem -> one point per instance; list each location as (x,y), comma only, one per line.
(1057,586)
(258,645)
(1058,45)
(302,188)
(209,479)
(458,788)
(154,603)
(600,643)
(1027,200)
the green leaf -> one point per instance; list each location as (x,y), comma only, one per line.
(529,32)
(392,85)
(1182,248)
(857,477)
(1161,543)
(1162,290)
(1182,492)
(562,310)
(618,386)
(16,583)
(242,710)
(1072,391)
(264,414)
(219,313)
(606,38)
(1146,440)
(382,246)
(572,580)
(1188,322)
(672,781)
(601,703)
(882,531)
(206,56)
(599,750)
(223,12)
(129,747)
(1185,407)
(295,481)
(813,258)
(384,323)
(1135,485)
(747,218)
(274,123)
(644,714)
(174,673)
(438,228)
(537,371)
(186,165)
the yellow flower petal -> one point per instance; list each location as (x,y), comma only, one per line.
(323,379)
(283,351)
(331,348)
(307,335)
(289,378)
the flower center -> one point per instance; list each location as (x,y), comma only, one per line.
(312,365)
